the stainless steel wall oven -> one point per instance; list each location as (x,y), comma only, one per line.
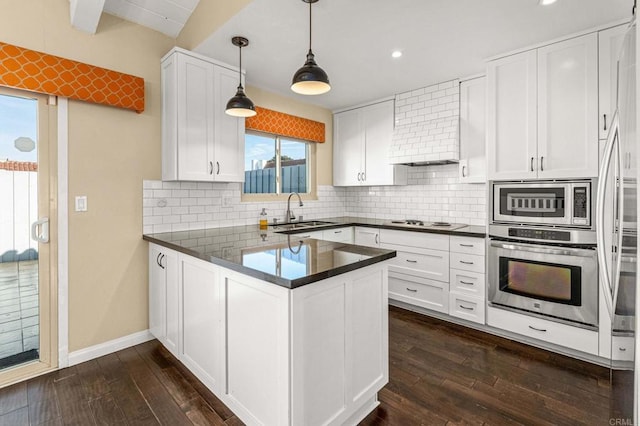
(542,257)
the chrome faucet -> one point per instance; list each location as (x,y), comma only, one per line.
(289,216)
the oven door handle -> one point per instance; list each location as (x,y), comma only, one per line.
(562,251)
(605,280)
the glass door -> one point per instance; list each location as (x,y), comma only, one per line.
(28,314)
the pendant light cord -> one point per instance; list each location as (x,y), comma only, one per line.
(309,26)
(240,67)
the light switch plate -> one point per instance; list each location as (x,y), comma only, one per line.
(81,203)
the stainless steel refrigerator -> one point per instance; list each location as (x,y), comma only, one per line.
(617,238)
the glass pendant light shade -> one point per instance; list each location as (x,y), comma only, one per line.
(310,79)
(240,105)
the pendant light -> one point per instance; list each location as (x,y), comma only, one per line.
(310,79)
(240,105)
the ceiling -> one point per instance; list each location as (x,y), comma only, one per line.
(353,40)
(165,16)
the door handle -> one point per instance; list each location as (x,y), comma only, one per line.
(467,245)
(43,236)
(161,265)
(531,163)
(210,167)
(158,259)
(217,167)
(377,242)
(466,263)
(465,307)
(605,121)
(538,329)
(358,177)
(542,164)
(411,261)
(412,290)
(464,168)
(465,282)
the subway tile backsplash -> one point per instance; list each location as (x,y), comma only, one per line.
(433,194)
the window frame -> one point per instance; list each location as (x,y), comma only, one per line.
(280,196)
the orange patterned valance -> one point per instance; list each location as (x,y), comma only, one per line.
(283,124)
(22,68)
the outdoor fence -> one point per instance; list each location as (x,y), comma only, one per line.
(263,181)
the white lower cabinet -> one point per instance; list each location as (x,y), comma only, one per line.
(467,274)
(466,307)
(553,332)
(164,297)
(202,321)
(430,294)
(339,235)
(317,354)
(369,237)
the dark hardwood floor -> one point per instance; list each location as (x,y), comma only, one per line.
(439,374)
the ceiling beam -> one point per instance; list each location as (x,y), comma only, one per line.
(85,14)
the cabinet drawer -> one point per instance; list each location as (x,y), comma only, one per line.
(415,239)
(431,264)
(318,235)
(341,235)
(467,245)
(419,291)
(467,262)
(622,348)
(465,307)
(549,331)
(467,282)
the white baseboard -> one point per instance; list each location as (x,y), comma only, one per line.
(96,351)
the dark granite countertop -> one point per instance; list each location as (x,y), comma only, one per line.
(271,256)
(275,255)
(466,231)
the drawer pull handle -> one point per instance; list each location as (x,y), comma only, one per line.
(465,307)
(337,232)
(305,236)
(411,261)
(466,263)
(413,290)
(622,349)
(465,282)
(467,245)
(538,329)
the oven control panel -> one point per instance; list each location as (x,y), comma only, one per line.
(540,234)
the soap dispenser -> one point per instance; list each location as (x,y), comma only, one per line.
(263,221)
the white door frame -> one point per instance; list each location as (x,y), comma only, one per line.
(63,232)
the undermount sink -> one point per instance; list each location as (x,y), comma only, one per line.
(302,225)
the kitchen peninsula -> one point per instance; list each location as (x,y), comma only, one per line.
(284,331)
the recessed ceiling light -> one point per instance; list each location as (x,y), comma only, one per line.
(546,2)
(396,54)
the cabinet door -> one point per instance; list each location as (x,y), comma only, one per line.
(369,237)
(195,110)
(203,336)
(157,295)
(169,262)
(473,130)
(228,154)
(348,147)
(609,45)
(567,108)
(378,129)
(341,235)
(511,117)
(169,76)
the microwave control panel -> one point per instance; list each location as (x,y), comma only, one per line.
(580,205)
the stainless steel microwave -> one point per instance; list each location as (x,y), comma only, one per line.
(551,203)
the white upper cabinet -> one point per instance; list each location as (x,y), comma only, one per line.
(567,108)
(472,166)
(362,137)
(542,112)
(511,117)
(348,148)
(609,45)
(199,141)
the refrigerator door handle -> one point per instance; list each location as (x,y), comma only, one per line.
(604,269)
